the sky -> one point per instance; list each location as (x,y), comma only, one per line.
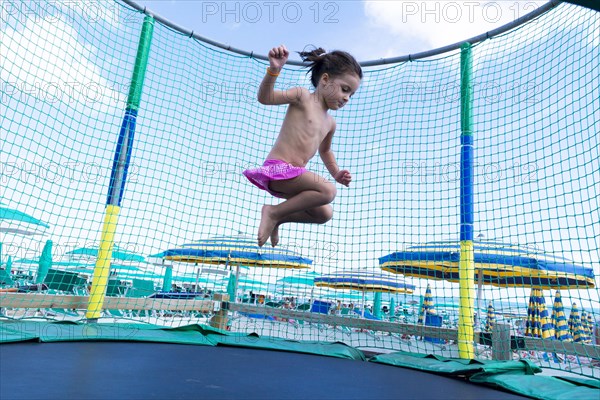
(367,29)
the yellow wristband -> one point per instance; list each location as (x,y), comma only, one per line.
(271,72)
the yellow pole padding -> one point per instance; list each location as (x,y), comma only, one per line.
(102,269)
(466,271)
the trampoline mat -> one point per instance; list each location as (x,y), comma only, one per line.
(133,370)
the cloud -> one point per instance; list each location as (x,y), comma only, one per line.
(47,61)
(415,26)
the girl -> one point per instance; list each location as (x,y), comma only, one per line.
(307,127)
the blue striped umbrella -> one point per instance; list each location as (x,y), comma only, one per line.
(239,250)
(500,264)
(590,324)
(539,322)
(559,319)
(236,250)
(575,325)
(427,307)
(365,281)
(586,327)
(491,318)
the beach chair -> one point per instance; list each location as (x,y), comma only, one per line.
(5,279)
(62,282)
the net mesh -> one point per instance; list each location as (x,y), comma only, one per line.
(65,78)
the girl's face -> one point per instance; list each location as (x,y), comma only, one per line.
(337,90)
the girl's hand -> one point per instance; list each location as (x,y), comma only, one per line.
(343,176)
(278,56)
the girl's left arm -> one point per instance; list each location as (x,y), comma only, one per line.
(340,175)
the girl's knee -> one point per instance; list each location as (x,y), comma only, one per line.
(329,192)
(327,213)
(322,214)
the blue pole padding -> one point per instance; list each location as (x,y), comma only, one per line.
(467,213)
(122,158)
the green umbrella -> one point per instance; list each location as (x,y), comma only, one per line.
(168,279)
(377,305)
(45,262)
(5,277)
(9,263)
(392,308)
(117,254)
(17,222)
(306,279)
(13,220)
(231,288)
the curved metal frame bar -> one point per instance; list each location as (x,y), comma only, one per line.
(425,54)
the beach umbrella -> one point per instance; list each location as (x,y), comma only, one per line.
(15,221)
(118,254)
(491,318)
(159,261)
(365,281)
(231,288)
(346,295)
(427,306)
(298,284)
(237,250)
(496,263)
(590,324)
(586,327)
(303,279)
(539,322)
(392,308)
(19,223)
(9,263)
(45,262)
(559,320)
(167,279)
(5,276)
(575,325)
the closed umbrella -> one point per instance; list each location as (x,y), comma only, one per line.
(427,306)
(392,308)
(45,262)
(491,318)
(590,324)
(575,325)
(539,322)
(232,287)
(586,327)
(559,320)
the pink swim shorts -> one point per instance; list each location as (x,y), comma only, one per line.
(272,170)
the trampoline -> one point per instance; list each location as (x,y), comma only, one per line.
(128,370)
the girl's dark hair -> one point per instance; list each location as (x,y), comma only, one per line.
(334,63)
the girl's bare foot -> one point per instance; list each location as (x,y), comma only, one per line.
(267,224)
(275,236)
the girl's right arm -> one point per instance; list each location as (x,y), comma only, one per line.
(267,94)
